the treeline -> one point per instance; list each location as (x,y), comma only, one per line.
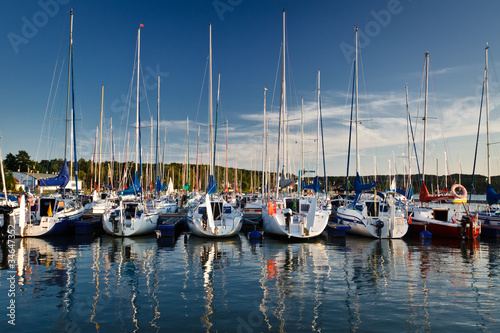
(197,176)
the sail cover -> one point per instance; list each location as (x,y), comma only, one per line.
(491,195)
(360,187)
(212,185)
(134,187)
(60,180)
(315,186)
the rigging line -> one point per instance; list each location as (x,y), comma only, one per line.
(146,97)
(445,143)
(477,138)
(49,128)
(367,105)
(420,96)
(52,84)
(201,91)
(275,82)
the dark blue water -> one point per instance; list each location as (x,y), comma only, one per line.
(107,284)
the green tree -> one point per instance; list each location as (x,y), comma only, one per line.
(10,162)
(23,160)
(10,182)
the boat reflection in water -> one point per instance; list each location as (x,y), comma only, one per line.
(209,264)
(219,285)
(305,285)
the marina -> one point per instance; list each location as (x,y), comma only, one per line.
(250,167)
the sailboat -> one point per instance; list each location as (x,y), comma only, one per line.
(440,221)
(372,213)
(489,217)
(52,214)
(132,217)
(292,217)
(213,216)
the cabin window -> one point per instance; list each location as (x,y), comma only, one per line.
(44,206)
(441,214)
(384,208)
(304,208)
(372,209)
(217,210)
(227,210)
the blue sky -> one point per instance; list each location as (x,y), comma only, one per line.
(246,48)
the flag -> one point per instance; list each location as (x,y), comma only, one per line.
(49,211)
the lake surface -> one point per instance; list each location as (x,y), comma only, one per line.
(105,284)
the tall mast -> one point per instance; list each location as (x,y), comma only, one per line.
(69,81)
(197,167)
(317,132)
(137,97)
(487,116)
(158,132)
(227,157)
(264,146)
(112,152)
(301,173)
(100,140)
(356,92)
(425,111)
(282,105)
(210,110)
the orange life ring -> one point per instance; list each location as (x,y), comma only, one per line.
(458,195)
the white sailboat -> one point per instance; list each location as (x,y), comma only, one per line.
(52,214)
(213,216)
(132,217)
(371,214)
(292,217)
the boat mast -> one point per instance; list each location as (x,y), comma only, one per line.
(301,172)
(3,174)
(487,116)
(227,157)
(69,80)
(210,110)
(100,140)
(112,166)
(317,132)
(282,106)
(264,147)
(158,133)
(356,92)
(425,111)
(137,97)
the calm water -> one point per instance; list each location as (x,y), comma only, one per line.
(107,284)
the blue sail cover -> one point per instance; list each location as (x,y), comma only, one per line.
(491,195)
(134,187)
(61,179)
(212,186)
(158,186)
(360,187)
(315,186)
(408,193)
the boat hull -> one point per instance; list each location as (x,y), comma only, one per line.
(301,225)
